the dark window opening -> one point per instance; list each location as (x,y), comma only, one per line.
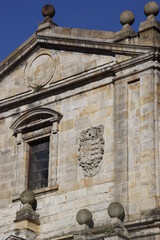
(38,164)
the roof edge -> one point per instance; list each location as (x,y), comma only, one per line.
(68,43)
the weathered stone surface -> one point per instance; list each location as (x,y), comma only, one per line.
(127,17)
(84,216)
(27,213)
(151,8)
(27,196)
(91,149)
(90,79)
(116,210)
(48,10)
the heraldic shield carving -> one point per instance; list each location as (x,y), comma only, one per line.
(91,149)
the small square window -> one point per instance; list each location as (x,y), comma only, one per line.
(38,164)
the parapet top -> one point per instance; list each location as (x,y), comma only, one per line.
(126,18)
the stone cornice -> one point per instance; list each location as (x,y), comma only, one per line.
(16,57)
(67,43)
(134,64)
(55,88)
(142,228)
(92,43)
(83,78)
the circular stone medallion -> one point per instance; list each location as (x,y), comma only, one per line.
(40,70)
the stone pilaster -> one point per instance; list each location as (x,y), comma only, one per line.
(121,143)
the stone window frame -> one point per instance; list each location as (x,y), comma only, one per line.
(38,163)
(33,125)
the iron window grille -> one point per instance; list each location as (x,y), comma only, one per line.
(38,164)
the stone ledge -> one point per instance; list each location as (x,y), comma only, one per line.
(64,42)
(38,192)
(69,237)
(91,75)
(27,224)
(137,229)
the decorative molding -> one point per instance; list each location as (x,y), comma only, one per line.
(35,124)
(91,149)
(37,117)
(82,78)
(40,69)
(72,42)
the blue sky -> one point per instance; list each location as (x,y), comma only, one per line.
(20,18)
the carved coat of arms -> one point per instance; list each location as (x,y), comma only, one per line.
(91,149)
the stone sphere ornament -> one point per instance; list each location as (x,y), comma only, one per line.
(27,196)
(127,17)
(48,11)
(151,8)
(116,210)
(84,216)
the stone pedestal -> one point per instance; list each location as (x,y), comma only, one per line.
(149,23)
(27,224)
(83,233)
(149,32)
(125,33)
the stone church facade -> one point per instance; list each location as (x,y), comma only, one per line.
(80,133)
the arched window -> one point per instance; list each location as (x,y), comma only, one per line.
(36,134)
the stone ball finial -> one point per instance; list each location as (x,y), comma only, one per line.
(116,210)
(127,17)
(48,11)
(27,196)
(151,8)
(84,216)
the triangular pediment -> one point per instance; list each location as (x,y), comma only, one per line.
(48,60)
(68,43)
(47,67)
(35,118)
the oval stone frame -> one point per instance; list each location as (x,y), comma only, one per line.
(40,69)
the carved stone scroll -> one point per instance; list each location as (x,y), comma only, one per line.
(91,149)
